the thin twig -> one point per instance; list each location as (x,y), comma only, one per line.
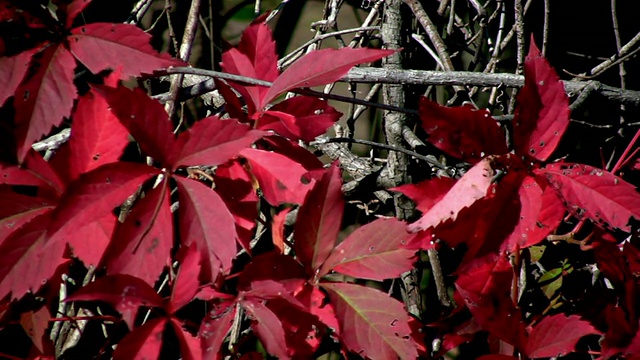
(608,63)
(519,27)
(621,69)
(419,77)
(438,277)
(420,40)
(433,34)
(139,9)
(443,7)
(361,108)
(285,61)
(424,158)
(183,54)
(545,29)
(603,69)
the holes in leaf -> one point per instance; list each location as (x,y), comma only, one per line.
(394,322)
(83,30)
(95,157)
(532,151)
(25,97)
(541,143)
(371,248)
(108,180)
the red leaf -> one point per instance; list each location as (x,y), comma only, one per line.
(146,120)
(462,132)
(376,251)
(485,225)
(142,244)
(300,327)
(542,111)
(296,153)
(268,327)
(215,328)
(470,188)
(101,46)
(186,282)
(206,221)
(12,71)
(258,45)
(275,267)
(94,195)
(189,345)
(44,97)
(124,292)
(426,193)
(540,213)
(23,266)
(299,118)
(319,219)
(557,335)
(233,105)
(74,9)
(372,324)
(321,67)
(17,210)
(35,325)
(233,184)
(255,57)
(33,172)
(212,141)
(97,137)
(318,304)
(280,178)
(595,194)
(142,343)
(485,285)
(89,241)
(611,262)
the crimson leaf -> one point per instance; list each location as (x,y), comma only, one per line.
(377,251)
(462,132)
(206,221)
(371,323)
(595,194)
(321,67)
(319,222)
(542,111)
(557,335)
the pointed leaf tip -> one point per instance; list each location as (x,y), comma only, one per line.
(321,67)
(542,111)
(320,218)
